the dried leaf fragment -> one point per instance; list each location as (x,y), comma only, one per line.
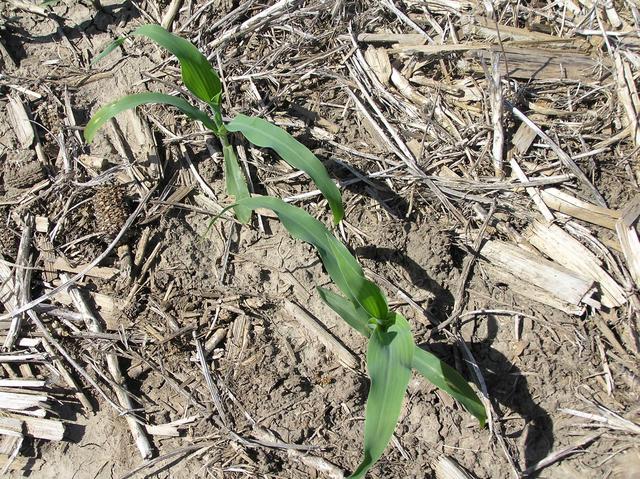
(378,60)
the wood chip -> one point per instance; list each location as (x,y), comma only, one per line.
(49,429)
(567,204)
(535,277)
(564,249)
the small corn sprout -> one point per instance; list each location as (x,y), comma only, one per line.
(392,354)
(201,80)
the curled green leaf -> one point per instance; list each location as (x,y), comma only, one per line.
(267,135)
(353,315)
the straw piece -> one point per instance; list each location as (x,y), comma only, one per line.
(558,200)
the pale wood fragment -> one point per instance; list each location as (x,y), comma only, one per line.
(172,428)
(523,138)
(536,277)
(19,120)
(564,249)
(22,383)
(21,400)
(446,468)
(378,61)
(628,95)
(567,204)
(538,64)
(496,101)
(40,428)
(102,272)
(626,227)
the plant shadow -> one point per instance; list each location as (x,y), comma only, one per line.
(509,392)
(443,300)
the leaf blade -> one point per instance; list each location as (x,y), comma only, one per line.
(353,315)
(236,183)
(334,255)
(108,49)
(443,376)
(110,110)
(267,135)
(389,360)
(197,73)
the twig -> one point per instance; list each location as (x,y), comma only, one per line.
(94,325)
(170,14)
(213,389)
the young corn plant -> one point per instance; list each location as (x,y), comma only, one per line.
(203,82)
(392,353)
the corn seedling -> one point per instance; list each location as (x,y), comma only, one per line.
(391,354)
(203,82)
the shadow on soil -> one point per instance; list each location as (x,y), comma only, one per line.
(509,392)
(16,36)
(442,303)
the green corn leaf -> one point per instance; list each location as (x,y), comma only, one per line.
(354,316)
(389,359)
(108,111)
(356,285)
(343,268)
(267,135)
(443,376)
(236,184)
(197,74)
(111,47)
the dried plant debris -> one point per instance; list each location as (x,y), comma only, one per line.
(111,210)
(24,175)
(8,237)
